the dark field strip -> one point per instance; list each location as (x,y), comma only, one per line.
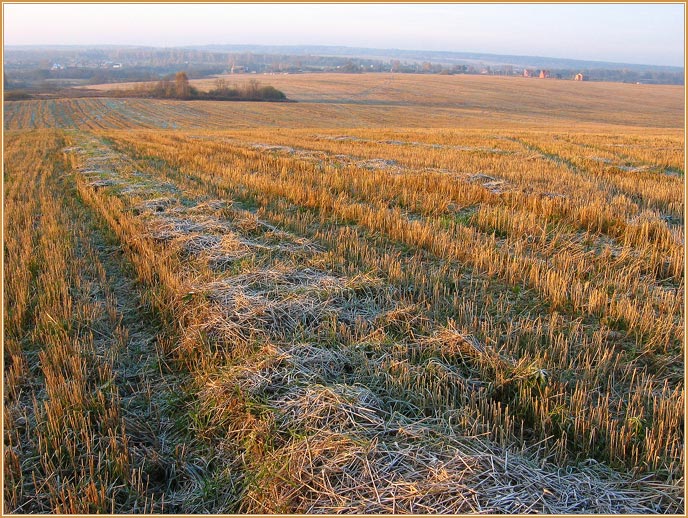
(403,107)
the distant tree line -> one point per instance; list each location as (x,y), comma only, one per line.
(252,90)
(26,77)
(632,76)
(17,95)
(178,87)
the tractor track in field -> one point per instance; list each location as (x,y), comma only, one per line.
(129,338)
(145,382)
(90,422)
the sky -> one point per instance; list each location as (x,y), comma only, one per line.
(628,33)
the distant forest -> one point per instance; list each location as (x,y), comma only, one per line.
(46,69)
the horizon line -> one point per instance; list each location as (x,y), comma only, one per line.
(191,45)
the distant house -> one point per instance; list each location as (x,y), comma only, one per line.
(579,77)
(544,74)
(57,66)
(117,65)
(237,69)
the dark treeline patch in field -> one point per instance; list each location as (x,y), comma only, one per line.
(179,88)
(17,95)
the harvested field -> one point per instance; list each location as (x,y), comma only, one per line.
(344,317)
(383,101)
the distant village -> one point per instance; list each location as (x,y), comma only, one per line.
(545,74)
(349,67)
(39,69)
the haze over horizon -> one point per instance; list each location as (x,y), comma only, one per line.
(651,34)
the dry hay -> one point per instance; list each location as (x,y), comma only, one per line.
(229,250)
(198,233)
(634,169)
(449,342)
(97,173)
(277,302)
(280,300)
(318,364)
(377,164)
(337,407)
(271,147)
(392,142)
(208,206)
(268,372)
(339,138)
(599,159)
(144,188)
(335,472)
(310,155)
(157,204)
(284,279)
(403,319)
(204,238)
(297,245)
(277,239)
(247,222)
(380,471)
(74,149)
(490,183)
(168,228)
(103,157)
(270,376)
(345,453)
(199,244)
(275,370)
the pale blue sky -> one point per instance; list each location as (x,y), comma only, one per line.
(631,33)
